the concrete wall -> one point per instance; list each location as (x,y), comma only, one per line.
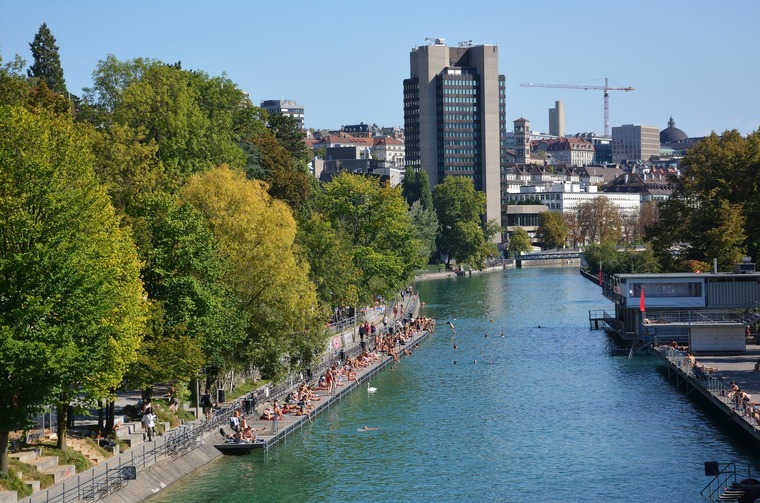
(157,477)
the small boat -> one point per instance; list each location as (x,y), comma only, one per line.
(233,448)
(238,449)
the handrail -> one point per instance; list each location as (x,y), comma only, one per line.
(749,413)
(719,482)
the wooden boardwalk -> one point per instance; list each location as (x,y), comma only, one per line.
(715,386)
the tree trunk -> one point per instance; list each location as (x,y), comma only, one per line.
(4,452)
(110,408)
(62,422)
(101,411)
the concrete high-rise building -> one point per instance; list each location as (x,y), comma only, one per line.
(285,107)
(455,115)
(634,143)
(557,119)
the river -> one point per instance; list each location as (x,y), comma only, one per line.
(542,414)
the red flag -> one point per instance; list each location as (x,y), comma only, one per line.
(642,307)
(600,277)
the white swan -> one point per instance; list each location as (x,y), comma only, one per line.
(370,390)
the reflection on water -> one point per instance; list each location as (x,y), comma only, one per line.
(541,414)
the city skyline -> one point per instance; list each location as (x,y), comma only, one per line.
(345,63)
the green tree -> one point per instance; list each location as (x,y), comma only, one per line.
(416,187)
(552,231)
(13,85)
(128,165)
(194,320)
(287,181)
(599,220)
(256,234)
(47,61)
(519,241)
(290,137)
(460,208)
(71,300)
(329,253)
(425,224)
(376,220)
(714,211)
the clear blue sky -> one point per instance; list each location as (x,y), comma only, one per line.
(345,61)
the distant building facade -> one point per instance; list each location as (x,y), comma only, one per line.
(633,143)
(285,107)
(573,151)
(455,116)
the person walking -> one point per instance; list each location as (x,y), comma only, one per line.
(149,423)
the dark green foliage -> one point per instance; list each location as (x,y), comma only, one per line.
(47,61)
(416,187)
(714,211)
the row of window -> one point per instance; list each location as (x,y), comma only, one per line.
(458,151)
(460,82)
(458,108)
(458,117)
(457,99)
(461,134)
(453,90)
(469,161)
(454,143)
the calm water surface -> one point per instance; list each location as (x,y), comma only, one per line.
(544,415)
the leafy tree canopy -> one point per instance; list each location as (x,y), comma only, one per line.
(256,234)
(71,301)
(376,220)
(714,211)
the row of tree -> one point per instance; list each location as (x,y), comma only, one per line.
(160,227)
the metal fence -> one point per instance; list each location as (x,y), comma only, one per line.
(714,386)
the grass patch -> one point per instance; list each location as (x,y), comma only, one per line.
(11,482)
(30,473)
(68,457)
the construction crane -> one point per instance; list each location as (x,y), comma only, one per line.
(606,88)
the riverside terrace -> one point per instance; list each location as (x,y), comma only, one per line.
(142,471)
(715,385)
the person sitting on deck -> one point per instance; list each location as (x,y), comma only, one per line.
(267,415)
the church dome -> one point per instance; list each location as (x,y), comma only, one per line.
(672,134)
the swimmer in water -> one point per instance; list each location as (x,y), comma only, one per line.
(367,428)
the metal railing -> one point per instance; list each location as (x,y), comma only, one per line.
(110,476)
(714,386)
(720,481)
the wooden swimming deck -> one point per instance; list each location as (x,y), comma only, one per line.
(715,386)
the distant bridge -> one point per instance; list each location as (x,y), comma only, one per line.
(551,255)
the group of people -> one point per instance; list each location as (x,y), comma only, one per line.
(389,338)
(242,432)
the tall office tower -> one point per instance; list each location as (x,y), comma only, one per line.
(557,119)
(285,107)
(455,116)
